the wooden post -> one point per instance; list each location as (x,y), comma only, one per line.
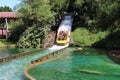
(6,27)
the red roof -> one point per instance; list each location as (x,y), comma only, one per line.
(7,15)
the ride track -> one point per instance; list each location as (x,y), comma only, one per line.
(63,33)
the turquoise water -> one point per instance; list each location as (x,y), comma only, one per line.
(13,70)
(5,52)
(72,66)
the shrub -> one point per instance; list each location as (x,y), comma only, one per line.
(32,38)
(84,37)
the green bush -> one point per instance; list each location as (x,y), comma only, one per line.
(84,37)
(32,38)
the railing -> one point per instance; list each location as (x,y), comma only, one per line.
(2,31)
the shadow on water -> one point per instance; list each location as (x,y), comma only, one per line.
(90,51)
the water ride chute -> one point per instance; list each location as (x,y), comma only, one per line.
(63,34)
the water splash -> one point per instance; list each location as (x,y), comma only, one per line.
(57,47)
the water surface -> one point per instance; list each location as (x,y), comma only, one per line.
(5,52)
(13,70)
(94,62)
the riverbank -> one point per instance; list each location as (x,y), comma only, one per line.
(114,55)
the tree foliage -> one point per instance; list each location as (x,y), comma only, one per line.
(109,17)
(36,15)
(5,9)
(31,39)
(94,15)
(17,29)
(83,37)
(36,12)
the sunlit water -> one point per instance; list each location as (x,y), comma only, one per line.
(69,67)
(13,70)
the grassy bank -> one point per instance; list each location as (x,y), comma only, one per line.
(3,42)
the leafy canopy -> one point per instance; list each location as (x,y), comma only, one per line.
(5,9)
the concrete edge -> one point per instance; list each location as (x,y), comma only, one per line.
(9,58)
(38,62)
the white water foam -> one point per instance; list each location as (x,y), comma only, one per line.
(57,47)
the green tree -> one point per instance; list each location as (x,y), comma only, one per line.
(84,11)
(36,21)
(5,9)
(93,15)
(36,12)
(108,15)
(59,6)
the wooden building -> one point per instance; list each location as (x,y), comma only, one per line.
(5,17)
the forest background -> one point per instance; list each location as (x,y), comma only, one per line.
(96,22)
